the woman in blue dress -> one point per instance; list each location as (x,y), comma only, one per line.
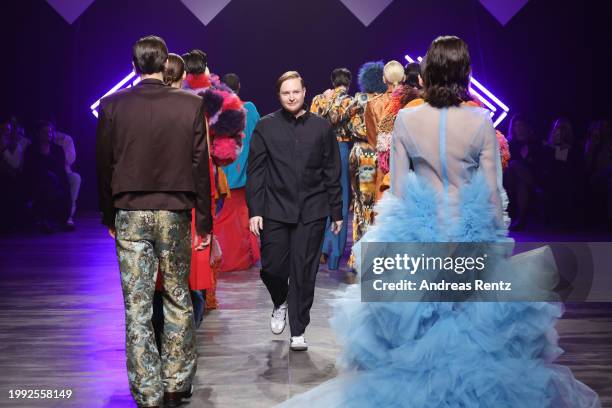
(446,186)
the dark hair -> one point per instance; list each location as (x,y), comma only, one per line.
(41,124)
(232,81)
(412,72)
(195,61)
(516,118)
(174,69)
(149,55)
(341,77)
(446,72)
(287,76)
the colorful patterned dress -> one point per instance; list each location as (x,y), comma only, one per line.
(362,170)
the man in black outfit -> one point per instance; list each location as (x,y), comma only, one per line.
(293,185)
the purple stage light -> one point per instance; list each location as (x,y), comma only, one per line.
(499,110)
(94,106)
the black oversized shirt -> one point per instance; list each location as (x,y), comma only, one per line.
(293,172)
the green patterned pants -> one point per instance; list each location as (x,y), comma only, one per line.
(148,241)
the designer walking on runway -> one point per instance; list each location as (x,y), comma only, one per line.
(293,185)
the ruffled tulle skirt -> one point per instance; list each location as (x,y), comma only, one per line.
(446,354)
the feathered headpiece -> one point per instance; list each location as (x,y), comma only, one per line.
(371,77)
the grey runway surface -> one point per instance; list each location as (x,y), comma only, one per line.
(62,328)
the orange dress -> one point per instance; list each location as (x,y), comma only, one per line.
(374,113)
(240,246)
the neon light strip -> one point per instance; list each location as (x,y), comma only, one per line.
(486,102)
(500,118)
(489,94)
(113,89)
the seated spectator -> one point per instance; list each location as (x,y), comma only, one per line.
(13,144)
(598,163)
(521,177)
(74,179)
(563,173)
(47,181)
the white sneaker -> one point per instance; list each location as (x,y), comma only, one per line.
(298,343)
(279,319)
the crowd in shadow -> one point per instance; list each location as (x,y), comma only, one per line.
(39,187)
(562,180)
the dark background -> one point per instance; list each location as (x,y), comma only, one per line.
(552,58)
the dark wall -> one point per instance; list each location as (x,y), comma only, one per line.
(551,59)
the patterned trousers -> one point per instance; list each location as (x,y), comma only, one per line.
(363,175)
(146,241)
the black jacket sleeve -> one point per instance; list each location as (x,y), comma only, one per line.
(104,168)
(331,174)
(201,175)
(256,173)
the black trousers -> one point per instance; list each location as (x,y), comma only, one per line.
(289,263)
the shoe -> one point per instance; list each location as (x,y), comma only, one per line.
(175,399)
(298,343)
(350,278)
(279,319)
(68,226)
(46,228)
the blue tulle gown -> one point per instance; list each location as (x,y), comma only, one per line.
(445,354)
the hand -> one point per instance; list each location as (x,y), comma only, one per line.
(204,242)
(329,93)
(255,225)
(112,232)
(336,226)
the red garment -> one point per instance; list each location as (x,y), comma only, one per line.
(239,246)
(201,275)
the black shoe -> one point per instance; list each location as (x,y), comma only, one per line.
(175,399)
(45,228)
(68,227)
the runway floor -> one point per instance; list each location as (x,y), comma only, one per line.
(62,328)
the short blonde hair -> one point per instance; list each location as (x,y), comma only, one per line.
(393,72)
(287,76)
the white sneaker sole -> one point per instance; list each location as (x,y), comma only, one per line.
(277,333)
(300,347)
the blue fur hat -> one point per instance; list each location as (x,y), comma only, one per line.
(371,77)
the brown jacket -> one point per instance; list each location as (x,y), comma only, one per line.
(151,141)
(375,110)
